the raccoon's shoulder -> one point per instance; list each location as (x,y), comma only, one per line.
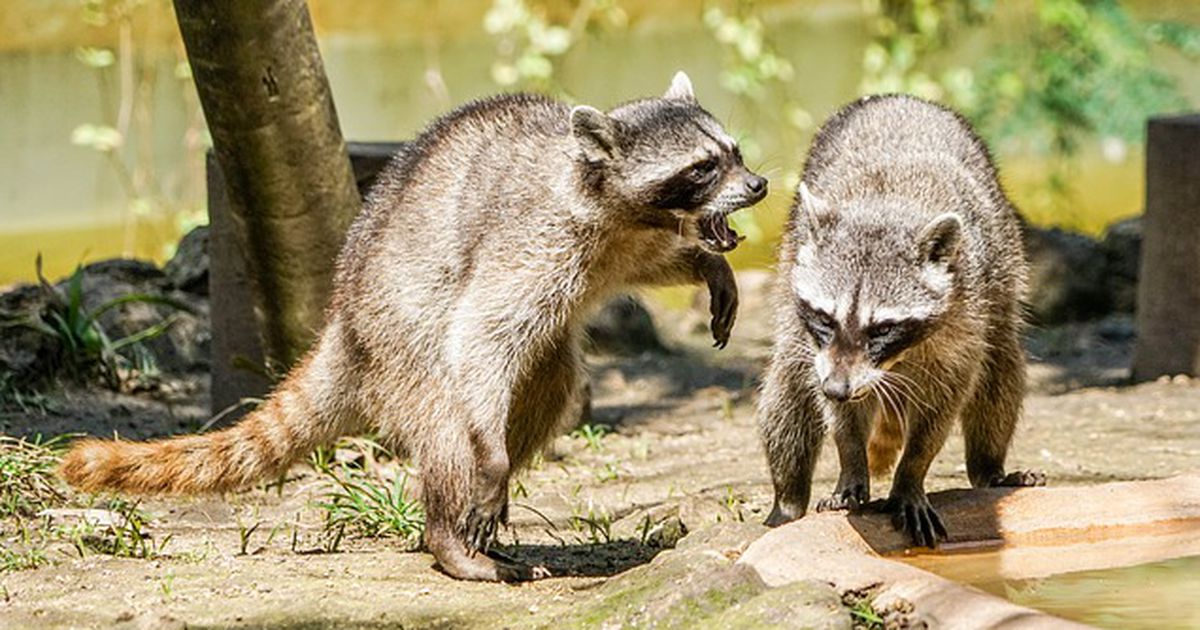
(518,113)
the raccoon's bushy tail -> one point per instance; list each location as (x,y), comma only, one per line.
(884,445)
(302,413)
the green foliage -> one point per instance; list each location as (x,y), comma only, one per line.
(592,435)
(126,536)
(1084,69)
(27,481)
(752,63)
(85,347)
(372,510)
(19,560)
(529,42)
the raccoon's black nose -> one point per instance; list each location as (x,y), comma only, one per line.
(756,185)
(836,389)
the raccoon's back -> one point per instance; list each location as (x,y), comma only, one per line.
(451,188)
(877,131)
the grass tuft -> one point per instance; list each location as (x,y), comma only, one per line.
(370,510)
(27,481)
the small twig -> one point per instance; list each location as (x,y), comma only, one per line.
(226,411)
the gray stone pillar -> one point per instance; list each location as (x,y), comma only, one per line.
(238,367)
(1168,302)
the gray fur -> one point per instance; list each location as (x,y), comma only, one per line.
(899,223)
(465,282)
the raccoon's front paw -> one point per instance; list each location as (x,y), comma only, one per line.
(913,515)
(851,497)
(724,312)
(722,301)
(1019,479)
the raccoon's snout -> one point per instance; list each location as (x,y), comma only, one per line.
(836,389)
(756,187)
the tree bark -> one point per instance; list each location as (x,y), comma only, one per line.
(275,135)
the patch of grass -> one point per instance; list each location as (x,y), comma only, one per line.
(733,502)
(596,524)
(27,481)
(127,536)
(863,615)
(86,349)
(13,560)
(591,434)
(372,510)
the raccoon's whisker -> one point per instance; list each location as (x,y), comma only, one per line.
(893,404)
(943,387)
(909,389)
(900,381)
(898,406)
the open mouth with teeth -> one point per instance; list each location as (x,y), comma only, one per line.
(716,233)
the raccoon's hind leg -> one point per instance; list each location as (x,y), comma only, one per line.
(792,429)
(850,435)
(448,468)
(990,416)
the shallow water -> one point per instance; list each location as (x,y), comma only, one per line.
(1155,595)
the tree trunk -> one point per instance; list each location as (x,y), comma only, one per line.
(276,137)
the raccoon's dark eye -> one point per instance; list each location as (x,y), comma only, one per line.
(821,333)
(822,328)
(882,329)
(701,171)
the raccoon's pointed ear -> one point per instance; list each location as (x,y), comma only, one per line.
(681,88)
(595,132)
(939,241)
(816,211)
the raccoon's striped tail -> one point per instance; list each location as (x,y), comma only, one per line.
(301,414)
(884,445)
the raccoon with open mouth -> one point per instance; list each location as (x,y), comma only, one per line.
(460,297)
(898,310)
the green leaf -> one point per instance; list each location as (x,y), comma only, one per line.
(95,57)
(99,137)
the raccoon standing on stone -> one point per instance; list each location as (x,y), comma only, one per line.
(898,311)
(459,299)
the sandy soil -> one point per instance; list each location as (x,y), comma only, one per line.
(683,445)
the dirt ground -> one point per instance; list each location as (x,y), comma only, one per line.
(682,444)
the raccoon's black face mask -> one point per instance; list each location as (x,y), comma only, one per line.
(672,160)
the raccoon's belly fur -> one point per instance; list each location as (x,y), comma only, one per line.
(897,313)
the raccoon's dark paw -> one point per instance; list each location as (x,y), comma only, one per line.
(852,497)
(479,524)
(723,304)
(913,515)
(724,312)
(784,512)
(1019,479)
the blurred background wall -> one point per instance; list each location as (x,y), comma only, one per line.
(102,137)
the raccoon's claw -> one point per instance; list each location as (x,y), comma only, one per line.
(914,516)
(850,498)
(479,525)
(1019,479)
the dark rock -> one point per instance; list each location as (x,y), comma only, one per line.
(185,344)
(1122,245)
(24,351)
(188,268)
(623,327)
(1068,276)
